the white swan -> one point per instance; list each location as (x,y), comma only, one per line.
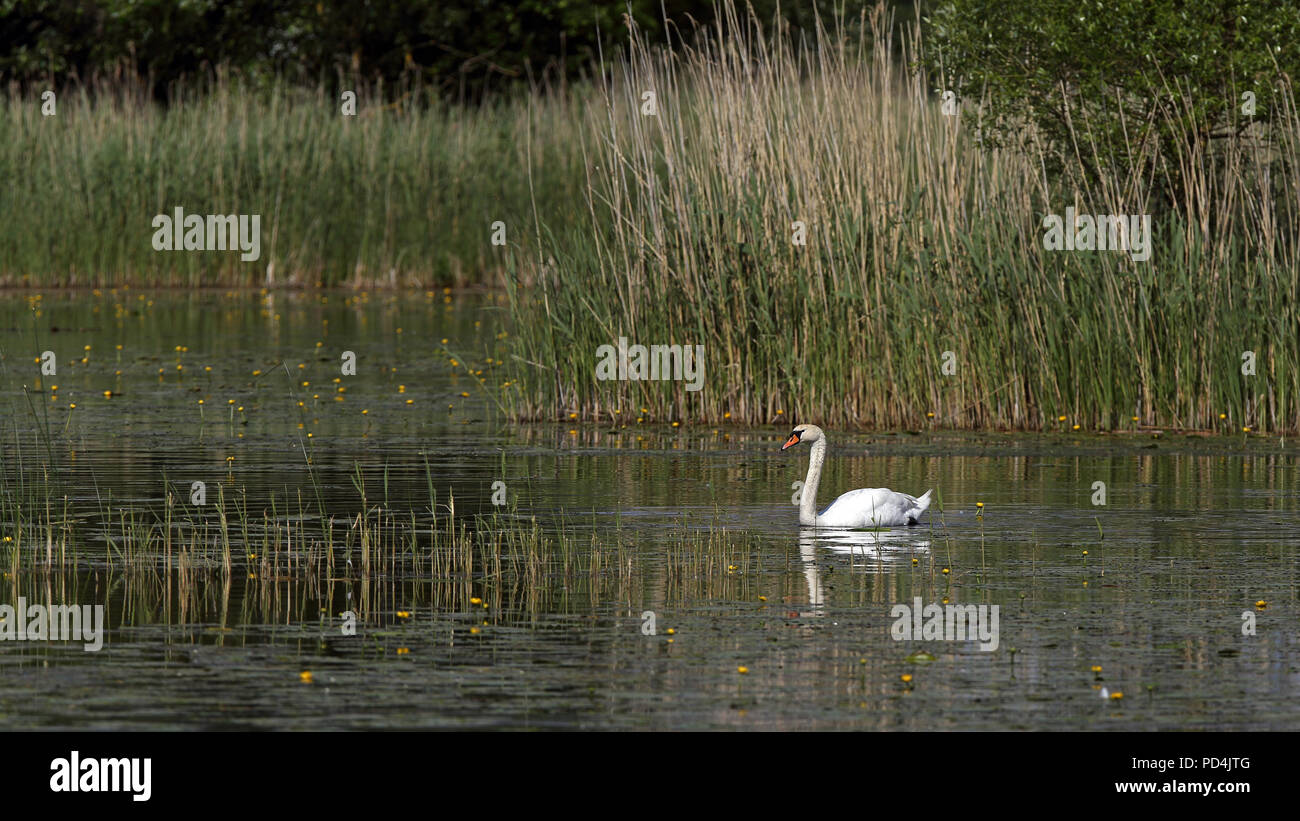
(868,507)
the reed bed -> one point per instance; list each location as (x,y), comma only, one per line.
(401,195)
(178,555)
(924,246)
(924,243)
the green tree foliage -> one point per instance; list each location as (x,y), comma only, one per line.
(1116,84)
(465,48)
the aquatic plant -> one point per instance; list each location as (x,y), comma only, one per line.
(922,289)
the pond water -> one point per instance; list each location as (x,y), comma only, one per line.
(644,566)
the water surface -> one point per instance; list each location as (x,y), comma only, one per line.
(693,524)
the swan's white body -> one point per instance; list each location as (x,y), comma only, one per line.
(868,507)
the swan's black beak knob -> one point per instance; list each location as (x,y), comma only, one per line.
(792,441)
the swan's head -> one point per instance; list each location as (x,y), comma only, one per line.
(803,433)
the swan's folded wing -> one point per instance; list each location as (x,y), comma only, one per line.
(871,507)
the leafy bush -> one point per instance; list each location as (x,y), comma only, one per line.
(1149,78)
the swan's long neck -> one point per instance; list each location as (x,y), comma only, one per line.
(808,499)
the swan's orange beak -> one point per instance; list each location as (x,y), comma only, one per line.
(791,442)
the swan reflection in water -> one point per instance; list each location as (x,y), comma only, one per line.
(866,549)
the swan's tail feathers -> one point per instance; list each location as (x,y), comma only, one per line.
(922,504)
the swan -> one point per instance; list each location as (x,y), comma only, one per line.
(867,507)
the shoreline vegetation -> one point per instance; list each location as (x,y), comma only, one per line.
(921,296)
